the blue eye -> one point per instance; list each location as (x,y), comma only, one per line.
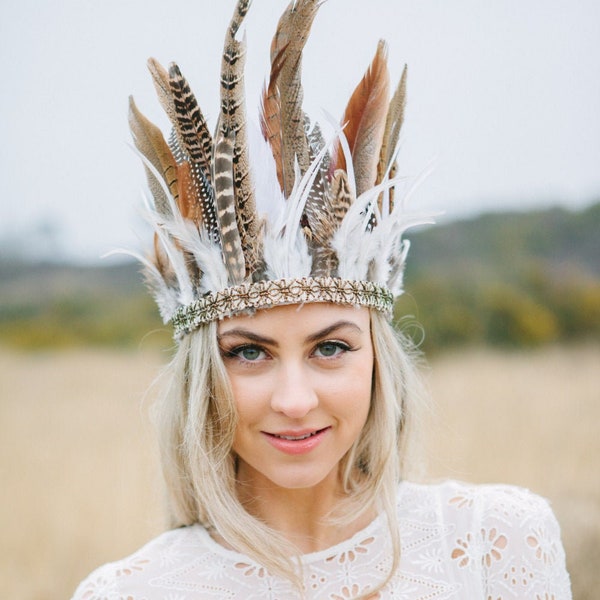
(249,353)
(330,349)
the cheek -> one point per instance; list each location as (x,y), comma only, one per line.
(357,391)
(249,398)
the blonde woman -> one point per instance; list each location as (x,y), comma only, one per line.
(286,426)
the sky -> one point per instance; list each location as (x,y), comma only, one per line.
(503,105)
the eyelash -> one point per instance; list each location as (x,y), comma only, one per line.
(337,344)
(236,352)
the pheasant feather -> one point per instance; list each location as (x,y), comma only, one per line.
(151,143)
(160,78)
(393,125)
(191,127)
(270,116)
(286,57)
(226,209)
(233,123)
(364,122)
(328,230)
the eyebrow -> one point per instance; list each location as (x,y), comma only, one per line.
(333,328)
(250,335)
(260,339)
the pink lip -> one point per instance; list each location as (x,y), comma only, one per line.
(295,447)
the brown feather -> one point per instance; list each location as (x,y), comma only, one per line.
(150,142)
(340,197)
(322,225)
(226,210)
(393,125)
(232,123)
(161,261)
(189,206)
(270,116)
(160,78)
(364,122)
(191,128)
(286,48)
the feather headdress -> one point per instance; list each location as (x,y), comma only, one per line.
(333,232)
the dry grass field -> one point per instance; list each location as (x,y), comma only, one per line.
(78,464)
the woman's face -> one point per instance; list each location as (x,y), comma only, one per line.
(301,380)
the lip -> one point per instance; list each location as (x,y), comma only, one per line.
(303,445)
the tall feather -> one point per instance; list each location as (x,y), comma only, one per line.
(190,124)
(364,121)
(160,78)
(270,116)
(232,123)
(192,142)
(195,142)
(150,142)
(225,202)
(393,125)
(286,60)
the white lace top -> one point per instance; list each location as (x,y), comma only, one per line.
(460,542)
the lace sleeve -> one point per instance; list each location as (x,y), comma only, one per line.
(523,557)
(100,584)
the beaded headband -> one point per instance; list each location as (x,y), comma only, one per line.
(244,222)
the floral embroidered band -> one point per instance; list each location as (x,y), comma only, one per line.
(268,293)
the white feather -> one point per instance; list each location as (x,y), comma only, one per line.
(269,197)
(206,253)
(286,252)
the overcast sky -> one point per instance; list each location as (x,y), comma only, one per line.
(503,98)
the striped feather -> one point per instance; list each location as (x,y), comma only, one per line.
(231,245)
(233,121)
(319,191)
(191,127)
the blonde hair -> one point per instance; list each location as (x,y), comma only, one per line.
(196,421)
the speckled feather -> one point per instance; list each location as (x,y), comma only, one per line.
(232,122)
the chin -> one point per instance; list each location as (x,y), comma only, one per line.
(298,477)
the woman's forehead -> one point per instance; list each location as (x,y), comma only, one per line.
(299,316)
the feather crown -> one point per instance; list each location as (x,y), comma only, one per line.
(332,231)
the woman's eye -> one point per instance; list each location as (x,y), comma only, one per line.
(329,349)
(249,353)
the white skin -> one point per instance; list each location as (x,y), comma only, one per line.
(298,370)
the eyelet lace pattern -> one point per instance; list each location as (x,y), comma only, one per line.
(459,542)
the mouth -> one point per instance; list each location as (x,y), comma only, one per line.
(297,442)
(297,437)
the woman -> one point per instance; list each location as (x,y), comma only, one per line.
(286,426)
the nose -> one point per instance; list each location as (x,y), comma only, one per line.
(294,394)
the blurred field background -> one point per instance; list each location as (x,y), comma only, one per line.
(510,307)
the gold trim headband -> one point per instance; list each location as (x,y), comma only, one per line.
(247,220)
(266,294)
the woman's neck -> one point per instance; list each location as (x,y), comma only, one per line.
(300,515)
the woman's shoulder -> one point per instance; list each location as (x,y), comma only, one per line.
(468,503)
(501,529)
(460,494)
(152,561)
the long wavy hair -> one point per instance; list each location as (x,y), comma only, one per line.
(196,422)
